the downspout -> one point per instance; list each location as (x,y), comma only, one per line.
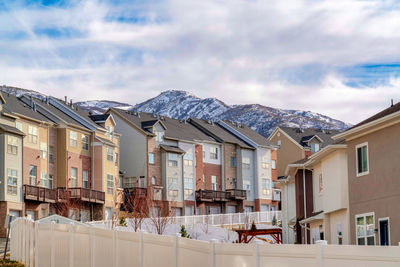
(305,203)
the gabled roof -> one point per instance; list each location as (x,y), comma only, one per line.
(105,141)
(99,118)
(383,113)
(173,149)
(302,136)
(218,132)
(10,129)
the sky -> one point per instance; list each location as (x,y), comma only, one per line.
(340,58)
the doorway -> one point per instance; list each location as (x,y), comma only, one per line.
(384,232)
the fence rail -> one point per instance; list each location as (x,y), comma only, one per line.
(54,245)
(214,219)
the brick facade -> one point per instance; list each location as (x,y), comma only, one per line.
(80,162)
(230,172)
(153,170)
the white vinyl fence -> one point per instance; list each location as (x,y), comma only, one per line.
(212,219)
(57,245)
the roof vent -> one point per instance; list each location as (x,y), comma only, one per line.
(66,99)
(391,102)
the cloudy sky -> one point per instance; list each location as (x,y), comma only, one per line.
(340,58)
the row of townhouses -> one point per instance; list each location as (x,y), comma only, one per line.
(59,159)
(344,187)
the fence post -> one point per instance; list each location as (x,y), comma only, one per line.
(23,240)
(320,253)
(91,236)
(36,244)
(177,235)
(71,245)
(31,249)
(115,260)
(258,258)
(141,249)
(213,261)
(52,249)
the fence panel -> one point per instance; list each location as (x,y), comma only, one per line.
(81,245)
(60,246)
(158,250)
(193,253)
(235,255)
(128,252)
(103,247)
(288,255)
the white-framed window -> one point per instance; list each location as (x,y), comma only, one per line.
(85,177)
(151,158)
(315,147)
(51,153)
(50,181)
(159,136)
(32,175)
(273,164)
(43,150)
(264,162)
(266,186)
(12,145)
(188,185)
(12,182)
(110,184)
(320,183)
(213,152)
(85,142)
(246,163)
(18,125)
(74,174)
(279,143)
(72,214)
(43,179)
(188,159)
(110,131)
(362,159)
(172,160)
(173,187)
(247,187)
(73,139)
(214,182)
(153,180)
(32,134)
(110,154)
(365,229)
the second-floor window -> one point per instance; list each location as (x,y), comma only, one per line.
(110,184)
(279,143)
(43,179)
(233,161)
(173,187)
(264,162)
(12,145)
(85,142)
(51,153)
(213,153)
(362,159)
(12,182)
(43,150)
(266,186)
(110,132)
(188,159)
(273,163)
(172,160)
(151,158)
(110,154)
(246,163)
(32,175)
(50,181)
(214,182)
(85,176)
(188,185)
(32,134)
(74,174)
(73,139)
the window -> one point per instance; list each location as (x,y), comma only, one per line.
(214,182)
(43,150)
(188,185)
(247,187)
(74,174)
(32,134)
(234,183)
(266,186)
(273,163)
(315,147)
(159,136)
(12,181)
(246,163)
(12,145)
(172,160)
(213,153)
(129,182)
(18,125)
(151,158)
(32,175)
(321,185)
(50,181)
(233,161)
(365,224)
(110,184)
(85,142)
(51,153)
(43,179)
(188,159)
(153,180)
(85,175)
(362,159)
(73,139)
(110,154)
(264,162)
(204,154)
(279,143)
(173,187)
(110,131)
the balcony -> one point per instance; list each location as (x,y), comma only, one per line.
(237,194)
(79,193)
(38,193)
(135,192)
(276,194)
(212,195)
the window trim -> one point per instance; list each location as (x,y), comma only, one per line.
(12,186)
(12,148)
(356,149)
(154,158)
(364,215)
(110,188)
(71,133)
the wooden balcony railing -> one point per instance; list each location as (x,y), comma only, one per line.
(83,194)
(237,194)
(38,193)
(212,195)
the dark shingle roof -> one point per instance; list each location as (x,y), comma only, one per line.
(249,133)
(303,135)
(176,129)
(216,130)
(301,161)
(97,118)
(173,149)
(10,129)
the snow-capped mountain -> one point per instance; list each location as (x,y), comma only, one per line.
(183,105)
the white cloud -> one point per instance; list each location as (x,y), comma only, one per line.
(232,50)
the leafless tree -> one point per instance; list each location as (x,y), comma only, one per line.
(206,226)
(137,204)
(66,205)
(160,216)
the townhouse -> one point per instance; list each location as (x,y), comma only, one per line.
(373,153)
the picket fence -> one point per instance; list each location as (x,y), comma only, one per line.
(212,219)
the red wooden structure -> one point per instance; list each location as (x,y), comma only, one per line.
(275,233)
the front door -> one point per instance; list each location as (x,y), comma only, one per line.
(384,232)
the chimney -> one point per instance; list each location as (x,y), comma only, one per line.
(66,100)
(392,102)
(70,103)
(47,100)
